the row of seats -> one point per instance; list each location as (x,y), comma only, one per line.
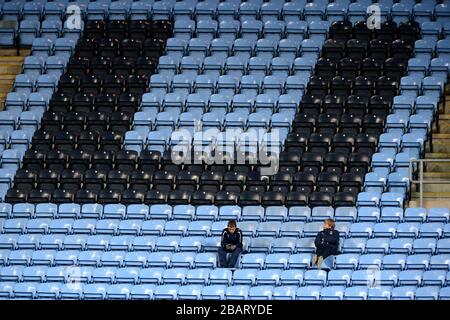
(182,276)
(265,10)
(276,196)
(194,241)
(91,222)
(99,291)
(74,256)
(246,213)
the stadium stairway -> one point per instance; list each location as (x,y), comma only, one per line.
(437,194)
(10,66)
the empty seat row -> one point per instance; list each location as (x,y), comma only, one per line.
(124,291)
(184,276)
(411,217)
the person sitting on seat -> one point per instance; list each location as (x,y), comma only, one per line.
(231,242)
(327,243)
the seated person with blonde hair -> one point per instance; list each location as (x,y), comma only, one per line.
(327,243)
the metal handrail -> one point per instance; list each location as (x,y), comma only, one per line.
(421,182)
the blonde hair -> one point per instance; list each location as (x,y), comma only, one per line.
(330,223)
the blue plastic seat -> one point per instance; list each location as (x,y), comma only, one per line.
(28,30)
(69,210)
(166,292)
(119,10)
(380,293)
(403,293)
(432,229)
(14,225)
(385,229)
(66,257)
(394,261)
(121,242)
(28,241)
(167,243)
(369,261)
(198,276)
(191,243)
(142,291)
(410,277)
(205,260)
(401,245)
(23,210)
(220,276)
(151,275)
(356,293)
(332,293)
(268,277)
(136,258)
(299,213)
(346,214)
(305,245)
(8,34)
(211,244)
(285,244)
(25,290)
(176,227)
(104,274)
(339,277)
(315,277)
(183,259)
(11,273)
(43,257)
(118,292)
(362,229)
(440,261)
(174,275)
(214,292)
(408,229)
(95,258)
(4,254)
(20,257)
(94,291)
(310,292)
(354,245)
(61,226)
(97,11)
(153,227)
(415,214)
(252,213)
(237,292)
(347,261)
(438,214)
(190,292)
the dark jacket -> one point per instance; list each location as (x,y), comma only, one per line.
(229,238)
(327,243)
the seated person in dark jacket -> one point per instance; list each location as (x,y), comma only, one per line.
(231,242)
(327,243)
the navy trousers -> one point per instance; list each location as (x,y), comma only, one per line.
(231,261)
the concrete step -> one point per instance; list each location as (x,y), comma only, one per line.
(4,78)
(430,203)
(13,52)
(444,123)
(441,142)
(11,59)
(6,87)
(431,195)
(435,182)
(447,104)
(10,68)
(437,166)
